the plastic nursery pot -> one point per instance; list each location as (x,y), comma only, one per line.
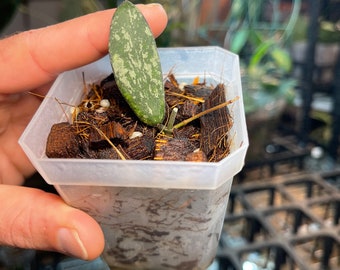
(154,214)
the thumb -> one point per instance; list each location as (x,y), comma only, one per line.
(31,218)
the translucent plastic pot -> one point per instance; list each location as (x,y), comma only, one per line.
(154,214)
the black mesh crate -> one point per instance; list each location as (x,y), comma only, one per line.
(283,222)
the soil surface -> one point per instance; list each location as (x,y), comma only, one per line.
(104,127)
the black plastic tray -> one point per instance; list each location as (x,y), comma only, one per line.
(284,222)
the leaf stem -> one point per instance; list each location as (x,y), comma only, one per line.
(172,119)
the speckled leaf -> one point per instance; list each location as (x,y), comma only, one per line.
(136,64)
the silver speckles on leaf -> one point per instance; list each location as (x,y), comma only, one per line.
(136,64)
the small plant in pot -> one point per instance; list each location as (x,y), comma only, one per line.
(155,214)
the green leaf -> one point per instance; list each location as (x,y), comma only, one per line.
(260,52)
(281,58)
(136,64)
(239,40)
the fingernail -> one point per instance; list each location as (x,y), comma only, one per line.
(71,244)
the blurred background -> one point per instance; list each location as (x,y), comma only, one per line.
(290,62)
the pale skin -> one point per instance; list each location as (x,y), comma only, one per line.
(30,62)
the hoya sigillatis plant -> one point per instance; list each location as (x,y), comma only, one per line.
(136,64)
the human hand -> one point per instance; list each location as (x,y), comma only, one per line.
(30,61)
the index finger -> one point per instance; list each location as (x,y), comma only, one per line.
(34,58)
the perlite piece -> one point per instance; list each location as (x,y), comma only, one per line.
(136,64)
